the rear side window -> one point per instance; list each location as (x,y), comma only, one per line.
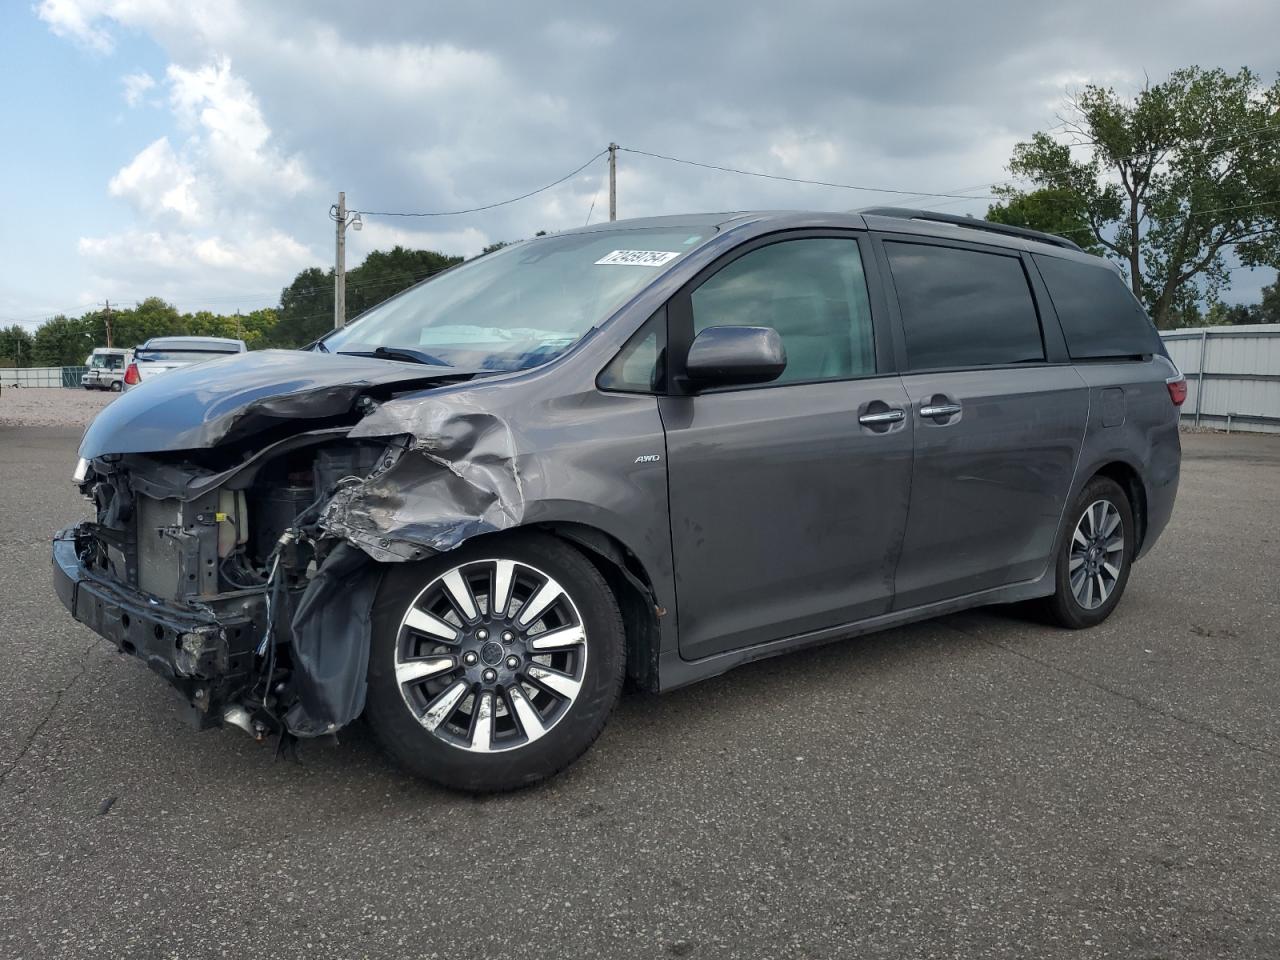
(963,308)
(812,291)
(1099,316)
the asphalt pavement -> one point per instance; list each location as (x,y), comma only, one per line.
(975,786)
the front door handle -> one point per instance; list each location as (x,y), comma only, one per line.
(939,410)
(892,415)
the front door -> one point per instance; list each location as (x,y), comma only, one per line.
(788,500)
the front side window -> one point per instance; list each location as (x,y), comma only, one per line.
(525,304)
(963,308)
(812,291)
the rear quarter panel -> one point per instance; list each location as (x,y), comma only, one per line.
(1133,421)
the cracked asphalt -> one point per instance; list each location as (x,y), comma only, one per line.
(975,786)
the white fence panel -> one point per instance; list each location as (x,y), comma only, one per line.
(1233,375)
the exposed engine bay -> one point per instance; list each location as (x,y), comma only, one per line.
(247,546)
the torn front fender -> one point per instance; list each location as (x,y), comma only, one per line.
(458,475)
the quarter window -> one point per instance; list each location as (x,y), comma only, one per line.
(963,308)
(1099,316)
(812,291)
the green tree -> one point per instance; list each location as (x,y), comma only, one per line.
(1269,308)
(16,346)
(1177,178)
(256,327)
(385,273)
(1052,209)
(62,342)
(306,309)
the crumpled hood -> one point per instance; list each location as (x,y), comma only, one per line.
(211,403)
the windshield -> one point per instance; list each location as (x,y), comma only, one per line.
(522,305)
(109,360)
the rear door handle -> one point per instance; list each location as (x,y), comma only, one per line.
(879,419)
(940,410)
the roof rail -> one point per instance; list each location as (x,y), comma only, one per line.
(973,223)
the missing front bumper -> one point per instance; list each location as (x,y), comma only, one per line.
(206,651)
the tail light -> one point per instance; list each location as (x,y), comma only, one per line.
(1177,389)
(132,379)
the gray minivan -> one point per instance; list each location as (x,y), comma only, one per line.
(647,450)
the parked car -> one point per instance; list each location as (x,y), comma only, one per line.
(654,449)
(105,369)
(162,354)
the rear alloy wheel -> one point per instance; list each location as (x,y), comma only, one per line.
(1094,557)
(493,668)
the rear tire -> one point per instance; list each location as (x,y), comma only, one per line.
(471,684)
(1094,556)
(117,386)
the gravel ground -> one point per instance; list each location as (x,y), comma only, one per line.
(974,786)
(51,406)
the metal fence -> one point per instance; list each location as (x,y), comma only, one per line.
(41,376)
(1233,375)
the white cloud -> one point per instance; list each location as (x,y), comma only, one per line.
(136,86)
(463,241)
(158,183)
(230,134)
(78,20)
(185,264)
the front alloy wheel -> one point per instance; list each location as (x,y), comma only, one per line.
(495,665)
(491,655)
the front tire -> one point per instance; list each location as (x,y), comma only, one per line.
(1094,556)
(496,665)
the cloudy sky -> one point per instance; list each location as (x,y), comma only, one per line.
(191,148)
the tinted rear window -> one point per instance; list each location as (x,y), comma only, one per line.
(963,308)
(1099,316)
(179,356)
(181,343)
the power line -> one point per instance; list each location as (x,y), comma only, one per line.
(487,206)
(816,183)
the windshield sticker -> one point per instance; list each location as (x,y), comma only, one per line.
(639,258)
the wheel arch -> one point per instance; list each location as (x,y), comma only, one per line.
(1130,480)
(632,586)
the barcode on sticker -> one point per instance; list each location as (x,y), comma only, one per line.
(639,258)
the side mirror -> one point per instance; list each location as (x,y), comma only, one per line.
(723,356)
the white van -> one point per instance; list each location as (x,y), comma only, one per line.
(106,369)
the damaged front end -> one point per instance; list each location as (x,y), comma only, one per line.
(241,512)
(226,581)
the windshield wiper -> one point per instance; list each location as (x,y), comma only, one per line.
(399,353)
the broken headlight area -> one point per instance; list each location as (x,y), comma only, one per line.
(215,568)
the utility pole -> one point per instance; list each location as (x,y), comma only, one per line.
(340,266)
(338,214)
(106,319)
(613,181)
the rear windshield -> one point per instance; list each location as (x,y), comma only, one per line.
(522,305)
(192,343)
(179,356)
(1099,315)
